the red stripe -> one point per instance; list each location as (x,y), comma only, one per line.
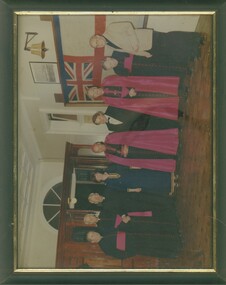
(81,59)
(100,24)
(81,95)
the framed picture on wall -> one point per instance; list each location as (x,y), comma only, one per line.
(137,189)
(44,72)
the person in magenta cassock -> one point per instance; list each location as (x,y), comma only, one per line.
(156,96)
(156,150)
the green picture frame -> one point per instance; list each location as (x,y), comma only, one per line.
(8,148)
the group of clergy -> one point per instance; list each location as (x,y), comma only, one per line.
(132,223)
(137,215)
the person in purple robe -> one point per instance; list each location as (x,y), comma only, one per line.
(156,96)
(156,150)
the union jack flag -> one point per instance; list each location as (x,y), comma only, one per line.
(71,80)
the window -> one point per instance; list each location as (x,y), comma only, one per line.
(51,205)
(62,117)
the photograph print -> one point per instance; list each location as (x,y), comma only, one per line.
(115,141)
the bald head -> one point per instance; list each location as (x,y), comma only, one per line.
(97,41)
(98,147)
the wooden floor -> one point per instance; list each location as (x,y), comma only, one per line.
(194,194)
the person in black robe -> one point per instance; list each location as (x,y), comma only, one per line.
(121,245)
(145,244)
(132,121)
(103,221)
(125,64)
(120,203)
(133,222)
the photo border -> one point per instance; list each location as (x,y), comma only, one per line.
(8,144)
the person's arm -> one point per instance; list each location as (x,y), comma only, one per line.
(139,53)
(143,53)
(126,30)
(132,38)
(114,187)
(123,127)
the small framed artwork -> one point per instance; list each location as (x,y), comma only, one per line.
(46,72)
(117,163)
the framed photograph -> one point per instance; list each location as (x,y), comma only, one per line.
(113,143)
(44,72)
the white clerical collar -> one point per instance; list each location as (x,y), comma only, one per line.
(113,121)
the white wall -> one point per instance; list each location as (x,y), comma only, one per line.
(27,87)
(40,251)
(162,23)
(28,164)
